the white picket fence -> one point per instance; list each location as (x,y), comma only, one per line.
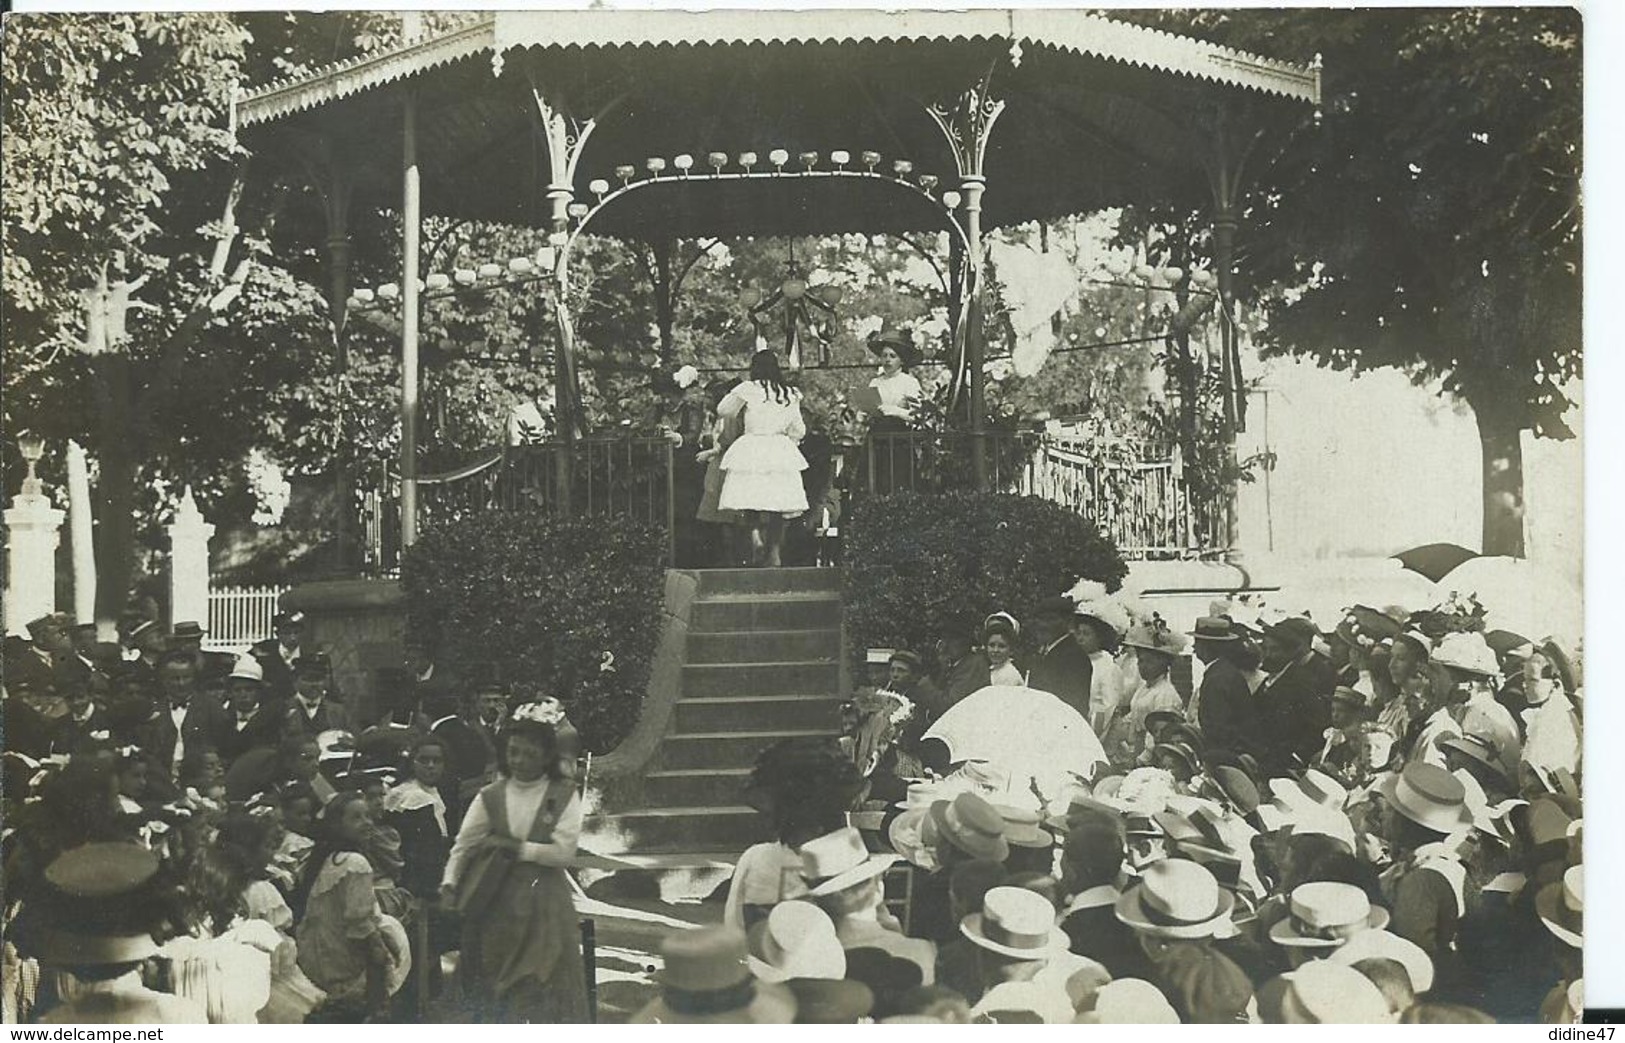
(240,616)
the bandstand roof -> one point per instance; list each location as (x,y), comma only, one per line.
(1096,110)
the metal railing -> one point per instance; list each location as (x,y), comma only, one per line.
(593,477)
(240,616)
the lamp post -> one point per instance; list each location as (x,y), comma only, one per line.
(32,527)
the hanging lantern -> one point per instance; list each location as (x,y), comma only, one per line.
(928,182)
(871,160)
(1145,273)
(747,160)
(578,210)
(902,167)
(490,271)
(655,164)
(520,265)
(599,188)
(464,276)
(809,160)
(951,200)
(750,297)
(718,160)
(684,163)
(793,288)
(626,173)
(439,281)
(365,296)
(778,157)
(840,157)
(1173,273)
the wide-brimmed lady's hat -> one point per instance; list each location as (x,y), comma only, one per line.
(838,860)
(797,940)
(972,825)
(1561,906)
(1429,796)
(1157,719)
(1320,788)
(1154,636)
(1480,749)
(899,340)
(707,981)
(1467,653)
(1236,787)
(1324,914)
(1015,922)
(1350,697)
(1176,898)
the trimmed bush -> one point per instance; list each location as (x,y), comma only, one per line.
(547,603)
(915,563)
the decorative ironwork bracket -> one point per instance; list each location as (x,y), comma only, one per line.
(967,123)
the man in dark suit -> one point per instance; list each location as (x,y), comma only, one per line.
(187,635)
(1061,667)
(35,666)
(312,710)
(1294,703)
(182,720)
(278,654)
(1224,702)
(252,720)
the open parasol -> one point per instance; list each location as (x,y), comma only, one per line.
(1022,731)
(1522,597)
(1435,560)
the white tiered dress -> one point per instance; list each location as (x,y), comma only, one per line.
(761,471)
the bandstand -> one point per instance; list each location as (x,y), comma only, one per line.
(662,126)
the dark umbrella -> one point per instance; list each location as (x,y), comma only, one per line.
(1435,560)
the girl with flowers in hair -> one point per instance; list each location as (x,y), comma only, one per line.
(521,958)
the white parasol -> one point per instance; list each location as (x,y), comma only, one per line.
(1521,597)
(1031,735)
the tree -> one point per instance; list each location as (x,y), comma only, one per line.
(1431,220)
(124,255)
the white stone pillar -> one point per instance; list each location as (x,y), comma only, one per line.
(189,562)
(80,537)
(33,529)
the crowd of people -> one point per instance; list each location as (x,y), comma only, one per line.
(1257,820)
(191,836)
(1377,822)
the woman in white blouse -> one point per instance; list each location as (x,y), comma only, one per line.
(521,953)
(900,395)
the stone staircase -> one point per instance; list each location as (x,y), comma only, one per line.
(762,663)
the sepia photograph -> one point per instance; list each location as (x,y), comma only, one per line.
(1000,516)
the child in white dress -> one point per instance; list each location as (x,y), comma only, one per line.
(762,468)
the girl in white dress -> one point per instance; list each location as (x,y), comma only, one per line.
(761,471)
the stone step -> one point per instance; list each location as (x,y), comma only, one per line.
(649,831)
(764,646)
(727,613)
(743,680)
(767,581)
(757,714)
(701,787)
(725,749)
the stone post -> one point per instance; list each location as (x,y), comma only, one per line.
(189,562)
(80,535)
(33,529)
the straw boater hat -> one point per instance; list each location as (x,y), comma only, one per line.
(1322,993)
(1214,628)
(247,668)
(1561,906)
(1325,914)
(1129,1001)
(1022,829)
(1015,922)
(972,825)
(838,860)
(706,980)
(1176,898)
(797,940)
(1385,945)
(1478,748)
(1429,796)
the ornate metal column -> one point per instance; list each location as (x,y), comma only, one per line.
(966,124)
(411,245)
(566,137)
